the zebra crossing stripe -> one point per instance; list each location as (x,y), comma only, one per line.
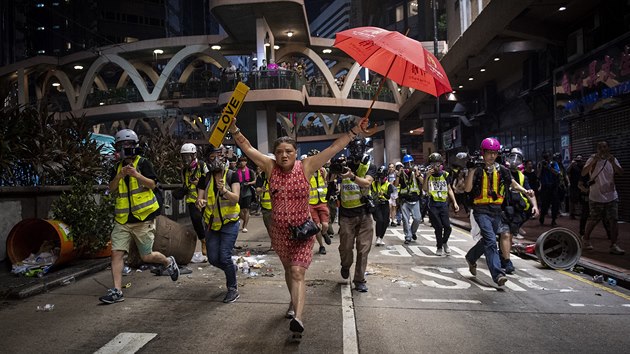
(127,343)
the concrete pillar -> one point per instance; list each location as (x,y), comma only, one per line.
(392,141)
(261,131)
(261,32)
(430,136)
(378,152)
(22,87)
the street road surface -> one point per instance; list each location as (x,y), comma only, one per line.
(417,303)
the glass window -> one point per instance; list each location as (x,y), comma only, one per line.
(400,13)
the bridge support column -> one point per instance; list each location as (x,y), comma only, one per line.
(22,87)
(430,136)
(392,141)
(266,131)
(378,151)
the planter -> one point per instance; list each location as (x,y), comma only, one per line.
(28,235)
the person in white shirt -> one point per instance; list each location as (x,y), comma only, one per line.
(603,198)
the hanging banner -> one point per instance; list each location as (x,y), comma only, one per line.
(230,111)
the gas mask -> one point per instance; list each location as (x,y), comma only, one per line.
(514,160)
(217,164)
(437,168)
(127,151)
(190,161)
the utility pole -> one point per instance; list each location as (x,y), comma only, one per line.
(438,123)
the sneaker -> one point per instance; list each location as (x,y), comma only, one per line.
(587,245)
(361,287)
(397,223)
(407,242)
(379,241)
(345,273)
(508,266)
(327,239)
(501,280)
(438,252)
(113,295)
(322,250)
(447,249)
(472,267)
(414,237)
(296,326)
(392,224)
(553,223)
(244,230)
(173,269)
(231,296)
(519,236)
(614,249)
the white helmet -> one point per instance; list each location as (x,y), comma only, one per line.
(126,135)
(188,148)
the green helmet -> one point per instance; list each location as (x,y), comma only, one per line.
(435,157)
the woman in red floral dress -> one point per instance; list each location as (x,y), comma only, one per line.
(289,188)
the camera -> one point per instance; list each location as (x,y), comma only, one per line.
(338,166)
(474,160)
(369,203)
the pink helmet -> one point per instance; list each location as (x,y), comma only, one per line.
(491,144)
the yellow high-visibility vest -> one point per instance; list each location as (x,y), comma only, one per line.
(318,189)
(438,187)
(191,189)
(138,200)
(484,198)
(219,211)
(351,192)
(265,198)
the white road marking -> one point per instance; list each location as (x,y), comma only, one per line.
(126,343)
(577,305)
(350,343)
(451,301)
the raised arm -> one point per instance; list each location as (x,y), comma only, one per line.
(258,157)
(314,163)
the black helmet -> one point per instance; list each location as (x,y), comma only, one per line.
(435,157)
(357,147)
(557,156)
(381,170)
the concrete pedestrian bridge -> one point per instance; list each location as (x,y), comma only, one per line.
(166,80)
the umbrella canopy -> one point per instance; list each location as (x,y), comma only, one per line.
(396,57)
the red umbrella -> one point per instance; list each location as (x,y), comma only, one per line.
(395,56)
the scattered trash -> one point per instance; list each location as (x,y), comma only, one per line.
(46,308)
(578,269)
(126,270)
(144,267)
(253,274)
(68,280)
(612,281)
(598,279)
(128,285)
(138,270)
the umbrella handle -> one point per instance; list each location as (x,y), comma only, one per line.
(378,91)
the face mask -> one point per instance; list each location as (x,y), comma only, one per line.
(217,164)
(514,160)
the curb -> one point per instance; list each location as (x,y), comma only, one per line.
(591,267)
(59,278)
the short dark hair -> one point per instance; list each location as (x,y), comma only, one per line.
(284,139)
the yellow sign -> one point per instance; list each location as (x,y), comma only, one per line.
(229,112)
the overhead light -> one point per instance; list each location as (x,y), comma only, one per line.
(482,69)
(78,67)
(158,51)
(460,86)
(327,51)
(56,84)
(215,47)
(267,44)
(276,47)
(497,58)
(411,132)
(453,91)
(562,8)
(470,78)
(101,104)
(290,34)
(254,58)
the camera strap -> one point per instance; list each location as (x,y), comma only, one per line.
(600,171)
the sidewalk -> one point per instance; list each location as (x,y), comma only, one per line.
(597,261)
